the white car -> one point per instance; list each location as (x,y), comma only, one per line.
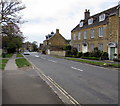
(26,53)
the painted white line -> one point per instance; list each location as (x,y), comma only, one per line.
(43,58)
(52,61)
(36,55)
(41,74)
(76,69)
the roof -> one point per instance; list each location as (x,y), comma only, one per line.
(109,12)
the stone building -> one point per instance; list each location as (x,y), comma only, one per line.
(54,43)
(100,30)
(27,46)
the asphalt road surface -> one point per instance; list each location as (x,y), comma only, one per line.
(88,84)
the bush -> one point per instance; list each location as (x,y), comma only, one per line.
(116,60)
(79,54)
(67,47)
(74,51)
(68,53)
(104,56)
(87,54)
(3,55)
(96,53)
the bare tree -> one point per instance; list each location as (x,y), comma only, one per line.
(10,18)
(9,11)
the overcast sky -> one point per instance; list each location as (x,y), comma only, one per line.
(45,16)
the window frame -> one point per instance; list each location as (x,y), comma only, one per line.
(78,47)
(85,34)
(79,35)
(90,21)
(100,32)
(100,46)
(101,17)
(92,33)
(81,24)
(91,47)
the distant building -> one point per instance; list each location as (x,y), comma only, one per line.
(54,42)
(101,30)
(27,46)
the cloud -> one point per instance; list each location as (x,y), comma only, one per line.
(44,16)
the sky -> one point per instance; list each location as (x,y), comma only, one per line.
(45,16)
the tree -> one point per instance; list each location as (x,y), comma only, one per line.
(35,46)
(10,11)
(12,37)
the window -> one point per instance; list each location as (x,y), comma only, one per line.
(79,34)
(90,21)
(100,46)
(92,47)
(92,33)
(101,32)
(74,37)
(102,17)
(81,24)
(78,47)
(85,34)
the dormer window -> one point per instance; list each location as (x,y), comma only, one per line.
(90,21)
(81,24)
(101,17)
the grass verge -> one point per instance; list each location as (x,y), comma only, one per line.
(22,63)
(19,55)
(3,63)
(7,55)
(92,62)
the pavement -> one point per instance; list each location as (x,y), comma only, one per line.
(24,86)
(0,87)
(11,64)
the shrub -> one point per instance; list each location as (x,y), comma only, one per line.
(68,53)
(79,54)
(116,60)
(74,51)
(96,52)
(67,47)
(104,56)
(3,55)
(87,54)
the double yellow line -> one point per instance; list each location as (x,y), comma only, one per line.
(57,86)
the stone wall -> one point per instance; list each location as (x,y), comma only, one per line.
(57,53)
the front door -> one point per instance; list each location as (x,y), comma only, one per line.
(84,48)
(112,52)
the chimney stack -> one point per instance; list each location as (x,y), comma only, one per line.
(87,14)
(57,30)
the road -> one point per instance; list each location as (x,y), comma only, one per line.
(88,84)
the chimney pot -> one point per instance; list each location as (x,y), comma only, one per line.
(57,30)
(87,13)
